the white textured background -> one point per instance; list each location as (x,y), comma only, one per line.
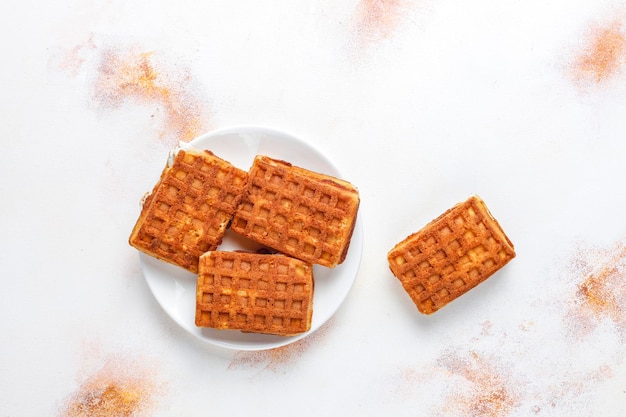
(419,107)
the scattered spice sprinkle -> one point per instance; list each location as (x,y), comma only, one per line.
(571,394)
(485,390)
(601,293)
(527,325)
(486,330)
(72,60)
(481,385)
(281,357)
(375,20)
(121,388)
(604,56)
(136,77)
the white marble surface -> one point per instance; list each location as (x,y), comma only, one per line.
(421,107)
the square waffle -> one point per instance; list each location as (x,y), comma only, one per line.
(301,213)
(189,208)
(451,255)
(251,292)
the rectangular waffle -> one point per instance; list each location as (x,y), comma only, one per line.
(251,292)
(189,208)
(451,255)
(301,213)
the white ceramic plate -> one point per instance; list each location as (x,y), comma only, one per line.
(175,288)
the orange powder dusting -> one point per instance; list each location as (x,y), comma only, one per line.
(375,20)
(72,60)
(274,359)
(604,56)
(571,393)
(600,292)
(270,359)
(133,76)
(603,292)
(120,389)
(484,390)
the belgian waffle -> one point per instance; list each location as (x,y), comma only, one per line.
(189,208)
(301,213)
(251,292)
(451,255)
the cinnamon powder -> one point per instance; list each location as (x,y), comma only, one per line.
(601,293)
(277,358)
(375,20)
(604,55)
(132,76)
(72,60)
(121,388)
(487,391)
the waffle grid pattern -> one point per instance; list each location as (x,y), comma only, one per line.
(451,255)
(303,215)
(190,208)
(270,294)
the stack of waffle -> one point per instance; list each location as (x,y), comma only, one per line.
(307,217)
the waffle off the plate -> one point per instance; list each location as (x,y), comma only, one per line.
(451,255)
(301,213)
(251,292)
(189,208)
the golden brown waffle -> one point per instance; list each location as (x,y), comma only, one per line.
(451,255)
(271,294)
(189,208)
(304,214)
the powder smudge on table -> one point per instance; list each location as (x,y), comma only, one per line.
(281,357)
(484,389)
(600,293)
(139,77)
(603,55)
(123,387)
(118,74)
(469,383)
(376,20)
